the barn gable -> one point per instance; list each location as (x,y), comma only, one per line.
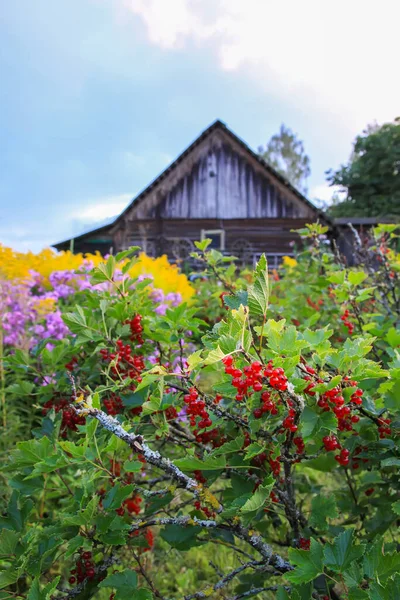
(219,177)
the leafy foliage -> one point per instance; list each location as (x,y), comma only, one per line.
(266,436)
(371,179)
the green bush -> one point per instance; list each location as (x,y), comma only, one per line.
(254,454)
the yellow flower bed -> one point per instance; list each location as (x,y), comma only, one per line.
(16,266)
(165,276)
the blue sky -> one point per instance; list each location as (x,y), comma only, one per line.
(98,96)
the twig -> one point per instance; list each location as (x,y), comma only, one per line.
(146,577)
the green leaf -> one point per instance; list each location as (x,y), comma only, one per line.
(322,508)
(35,593)
(312,422)
(391,462)
(232,508)
(390,592)
(281,594)
(309,563)
(356,277)
(85,516)
(8,577)
(258,293)
(316,337)
(396,507)
(253,450)
(132,466)
(340,554)
(229,447)
(357,594)
(196,464)
(377,564)
(203,245)
(142,594)
(194,360)
(8,542)
(33,451)
(214,356)
(124,584)
(338,277)
(182,538)
(234,301)
(393,337)
(259,497)
(115,497)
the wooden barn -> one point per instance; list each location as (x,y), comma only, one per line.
(217,188)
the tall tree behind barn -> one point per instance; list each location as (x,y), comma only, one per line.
(219,188)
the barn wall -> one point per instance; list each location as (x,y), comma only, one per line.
(223,185)
(262,235)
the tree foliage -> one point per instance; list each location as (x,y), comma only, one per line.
(286,154)
(371,179)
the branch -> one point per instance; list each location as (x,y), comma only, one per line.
(147,578)
(225,580)
(137,443)
(254,540)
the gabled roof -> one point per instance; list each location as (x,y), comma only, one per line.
(217,125)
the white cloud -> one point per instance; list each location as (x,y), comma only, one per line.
(339,57)
(99,209)
(322,195)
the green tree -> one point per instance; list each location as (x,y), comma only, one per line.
(286,154)
(371,179)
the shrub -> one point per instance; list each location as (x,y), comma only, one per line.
(275,438)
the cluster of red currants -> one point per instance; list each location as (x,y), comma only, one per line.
(343,457)
(212,436)
(299,443)
(334,400)
(70,420)
(198,475)
(277,377)
(125,364)
(84,568)
(315,305)
(384,430)
(196,408)
(251,378)
(289,421)
(262,458)
(131,505)
(148,536)
(136,328)
(209,513)
(72,364)
(356,456)
(113,404)
(304,543)
(345,318)
(331,443)
(267,405)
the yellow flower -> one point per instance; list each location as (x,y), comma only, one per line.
(290,262)
(17,266)
(165,276)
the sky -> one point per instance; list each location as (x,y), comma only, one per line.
(97,97)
